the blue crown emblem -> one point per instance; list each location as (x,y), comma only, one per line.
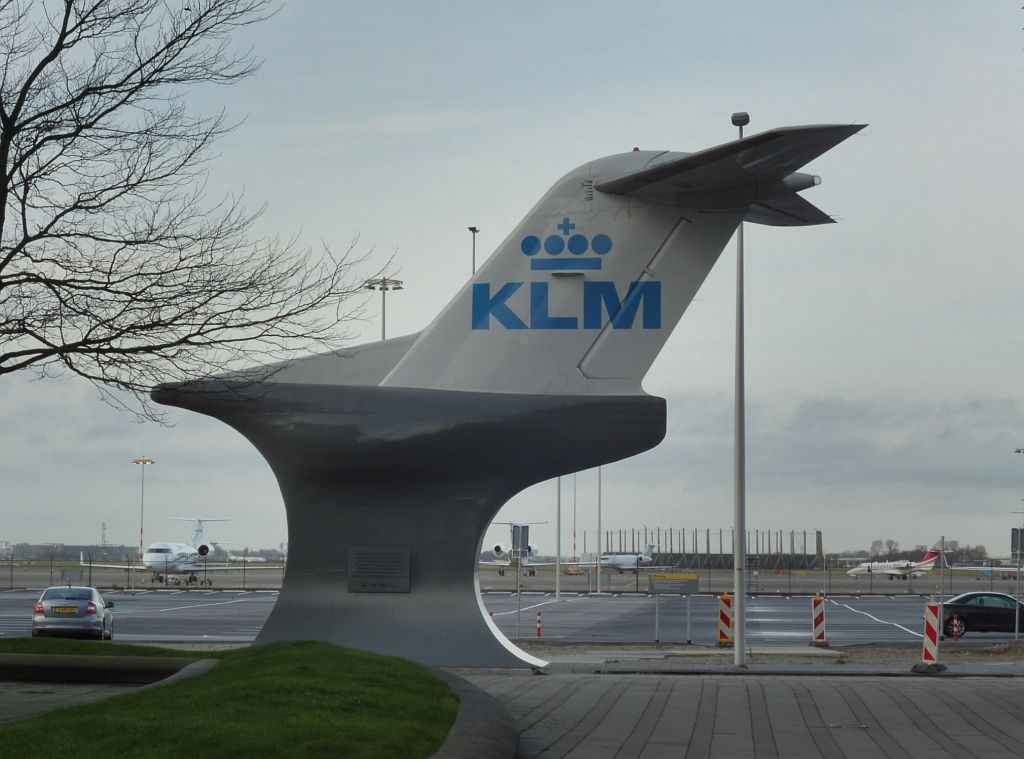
(576,244)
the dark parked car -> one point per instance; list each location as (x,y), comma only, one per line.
(75,611)
(980,612)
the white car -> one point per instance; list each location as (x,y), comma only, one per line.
(73,611)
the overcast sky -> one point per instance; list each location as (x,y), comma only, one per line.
(884,353)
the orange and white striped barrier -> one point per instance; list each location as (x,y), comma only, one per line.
(538,624)
(930,650)
(818,621)
(725,620)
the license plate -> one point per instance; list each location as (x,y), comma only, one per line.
(66,609)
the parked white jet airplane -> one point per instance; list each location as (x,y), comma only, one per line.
(903,568)
(180,559)
(631,561)
(508,558)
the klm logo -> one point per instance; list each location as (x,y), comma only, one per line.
(601,305)
(583,254)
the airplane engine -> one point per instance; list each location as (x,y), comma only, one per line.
(203,550)
(499,550)
(532,550)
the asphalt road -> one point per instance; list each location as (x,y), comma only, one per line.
(212,616)
(223,616)
(771,620)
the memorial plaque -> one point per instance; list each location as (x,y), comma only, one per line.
(378,570)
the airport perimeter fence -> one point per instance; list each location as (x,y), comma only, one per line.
(696,548)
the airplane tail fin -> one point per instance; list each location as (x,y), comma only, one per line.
(928,561)
(583,294)
(197,526)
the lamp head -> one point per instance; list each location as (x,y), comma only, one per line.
(740,118)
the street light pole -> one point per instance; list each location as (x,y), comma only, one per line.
(574,557)
(383,284)
(143,463)
(1020,535)
(558,539)
(474,230)
(600,535)
(1016,611)
(739,551)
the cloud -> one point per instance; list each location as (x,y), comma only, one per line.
(857,469)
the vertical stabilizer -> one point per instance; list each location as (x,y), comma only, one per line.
(584,293)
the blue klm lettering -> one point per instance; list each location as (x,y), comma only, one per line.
(599,298)
(623,313)
(485,306)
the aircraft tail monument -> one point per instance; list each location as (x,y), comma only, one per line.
(393,457)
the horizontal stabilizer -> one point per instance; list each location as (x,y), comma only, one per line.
(723,176)
(787,211)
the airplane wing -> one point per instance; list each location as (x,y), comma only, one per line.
(736,174)
(126,567)
(225,568)
(895,571)
(211,568)
(787,211)
(1012,571)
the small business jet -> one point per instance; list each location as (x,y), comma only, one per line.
(509,557)
(903,568)
(631,561)
(180,561)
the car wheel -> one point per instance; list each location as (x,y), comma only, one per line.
(110,632)
(35,633)
(955,628)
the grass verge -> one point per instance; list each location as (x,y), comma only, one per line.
(293,698)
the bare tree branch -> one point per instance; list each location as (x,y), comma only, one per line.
(113,265)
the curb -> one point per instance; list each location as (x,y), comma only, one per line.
(193,668)
(483,727)
(83,668)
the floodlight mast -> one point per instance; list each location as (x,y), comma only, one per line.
(383,284)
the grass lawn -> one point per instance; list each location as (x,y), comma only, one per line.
(294,698)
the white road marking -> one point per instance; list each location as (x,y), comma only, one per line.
(525,608)
(197,606)
(876,619)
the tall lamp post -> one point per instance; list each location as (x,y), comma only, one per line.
(143,463)
(558,539)
(600,535)
(739,551)
(383,284)
(474,230)
(1020,539)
